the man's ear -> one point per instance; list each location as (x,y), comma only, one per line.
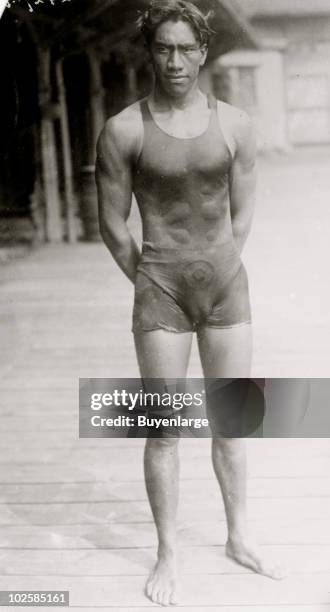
(204,52)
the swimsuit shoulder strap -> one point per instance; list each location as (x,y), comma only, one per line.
(217,123)
(226,134)
(145,112)
(212,101)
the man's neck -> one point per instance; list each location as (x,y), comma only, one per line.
(163,102)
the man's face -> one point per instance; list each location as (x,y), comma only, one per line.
(176,57)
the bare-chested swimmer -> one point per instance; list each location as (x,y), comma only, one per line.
(190,161)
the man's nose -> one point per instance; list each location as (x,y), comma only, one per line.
(175,60)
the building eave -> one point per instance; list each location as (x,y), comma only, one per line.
(108,21)
(240,22)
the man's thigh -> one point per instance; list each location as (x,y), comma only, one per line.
(163,354)
(226,352)
(163,358)
(235,403)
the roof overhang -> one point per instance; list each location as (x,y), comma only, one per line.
(232,28)
(78,24)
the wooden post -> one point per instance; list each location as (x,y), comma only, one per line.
(96,101)
(132,88)
(70,202)
(48,150)
(88,194)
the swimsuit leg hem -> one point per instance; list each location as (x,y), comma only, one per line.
(233,325)
(164,328)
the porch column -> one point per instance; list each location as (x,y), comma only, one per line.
(97,106)
(131,80)
(53,222)
(70,201)
(88,195)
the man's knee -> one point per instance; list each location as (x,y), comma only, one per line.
(235,407)
(228,446)
(162,443)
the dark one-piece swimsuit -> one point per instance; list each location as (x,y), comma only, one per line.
(181,288)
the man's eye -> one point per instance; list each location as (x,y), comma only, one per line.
(161,49)
(189,49)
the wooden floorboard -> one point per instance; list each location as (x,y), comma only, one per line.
(76,467)
(208,589)
(308,560)
(99,492)
(194,608)
(205,511)
(127,535)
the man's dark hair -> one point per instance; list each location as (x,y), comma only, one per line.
(160,11)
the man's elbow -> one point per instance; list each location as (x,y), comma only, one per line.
(115,237)
(103,229)
(107,234)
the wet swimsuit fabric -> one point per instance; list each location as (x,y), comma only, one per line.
(181,289)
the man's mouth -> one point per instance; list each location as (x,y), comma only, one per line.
(176,78)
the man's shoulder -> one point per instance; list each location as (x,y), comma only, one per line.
(124,130)
(236,116)
(129,117)
(236,124)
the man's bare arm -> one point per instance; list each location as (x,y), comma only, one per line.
(114,186)
(243,180)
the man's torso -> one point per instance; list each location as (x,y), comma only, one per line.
(182,184)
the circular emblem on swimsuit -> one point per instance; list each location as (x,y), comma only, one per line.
(198,274)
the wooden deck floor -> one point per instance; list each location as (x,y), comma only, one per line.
(74,514)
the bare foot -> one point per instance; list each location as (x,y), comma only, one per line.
(248,555)
(162,583)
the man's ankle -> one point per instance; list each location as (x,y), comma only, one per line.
(237,539)
(167,550)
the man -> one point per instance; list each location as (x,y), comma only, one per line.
(190,161)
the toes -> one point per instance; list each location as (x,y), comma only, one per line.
(165,598)
(174,598)
(154,596)
(152,590)
(159,597)
(276,572)
(160,588)
(149,587)
(280,573)
(169,598)
(251,558)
